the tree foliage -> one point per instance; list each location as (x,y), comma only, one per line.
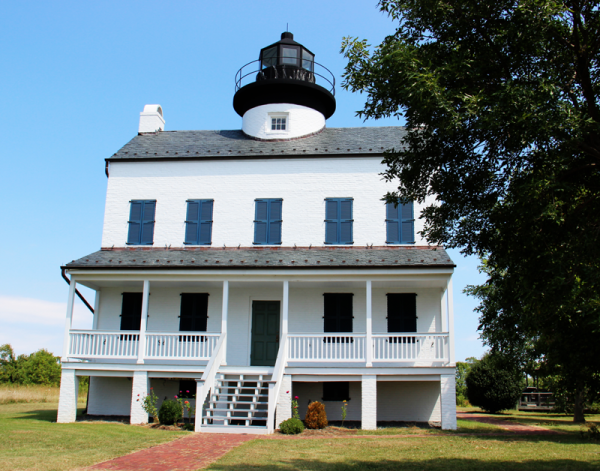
(462,370)
(40,367)
(494,384)
(503,130)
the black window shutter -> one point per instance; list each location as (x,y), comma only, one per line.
(332,221)
(194,312)
(337,312)
(131,311)
(148,223)
(192,220)
(392,224)
(402,312)
(135,223)
(261,221)
(408,223)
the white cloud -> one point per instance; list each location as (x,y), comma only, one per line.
(29,324)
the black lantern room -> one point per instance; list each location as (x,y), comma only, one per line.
(286,72)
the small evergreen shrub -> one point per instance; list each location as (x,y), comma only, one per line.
(169,412)
(316,418)
(291,426)
(493,384)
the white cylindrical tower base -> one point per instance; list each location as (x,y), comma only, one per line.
(279,121)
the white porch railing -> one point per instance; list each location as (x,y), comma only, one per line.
(276,380)
(103,344)
(207,383)
(411,347)
(180,345)
(344,346)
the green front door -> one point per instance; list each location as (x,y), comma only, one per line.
(265,333)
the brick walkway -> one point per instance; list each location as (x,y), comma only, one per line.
(507,425)
(185,454)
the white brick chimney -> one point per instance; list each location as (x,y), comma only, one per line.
(151,119)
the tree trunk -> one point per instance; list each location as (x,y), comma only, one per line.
(578,414)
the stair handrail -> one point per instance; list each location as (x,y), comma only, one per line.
(208,379)
(276,380)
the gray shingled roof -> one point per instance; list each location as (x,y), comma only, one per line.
(247,258)
(219,144)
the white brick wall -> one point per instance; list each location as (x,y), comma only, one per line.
(234,185)
(284,403)
(310,392)
(109,396)
(140,389)
(448,393)
(369,405)
(67,402)
(408,401)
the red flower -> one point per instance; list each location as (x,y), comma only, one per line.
(295,397)
(175,397)
(287,392)
(187,391)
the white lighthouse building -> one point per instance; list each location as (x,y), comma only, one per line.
(249,266)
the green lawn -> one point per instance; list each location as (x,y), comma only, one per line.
(30,439)
(437,452)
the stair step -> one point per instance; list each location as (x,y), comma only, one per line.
(251,429)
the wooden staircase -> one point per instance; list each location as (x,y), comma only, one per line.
(237,404)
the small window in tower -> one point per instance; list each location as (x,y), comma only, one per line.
(278,124)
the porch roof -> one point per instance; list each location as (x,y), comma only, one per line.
(206,258)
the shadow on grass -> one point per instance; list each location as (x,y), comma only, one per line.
(429,464)
(43,415)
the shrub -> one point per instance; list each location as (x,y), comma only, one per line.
(315,416)
(493,384)
(169,412)
(291,426)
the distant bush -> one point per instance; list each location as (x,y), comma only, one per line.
(169,412)
(316,418)
(40,367)
(494,384)
(291,426)
(462,370)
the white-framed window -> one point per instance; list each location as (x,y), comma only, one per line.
(278,123)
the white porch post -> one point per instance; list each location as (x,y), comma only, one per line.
(450,324)
(96,310)
(139,389)
(286,308)
(369,337)
(144,322)
(69,320)
(284,401)
(224,318)
(444,310)
(368,419)
(67,402)
(448,401)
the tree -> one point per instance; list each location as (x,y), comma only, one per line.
(8,364)
(503,131)
(462,370)
(494,383)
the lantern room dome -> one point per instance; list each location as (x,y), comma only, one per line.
(285,74)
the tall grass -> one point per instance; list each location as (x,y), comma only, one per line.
(15,393)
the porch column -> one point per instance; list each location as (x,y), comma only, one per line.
(448,401)
(286,308)
(96,310)
(284,401)
(143,323)
(369,337)
(69,321)
(450,324)
(224,319)
(368,418)
(67,401)
(444,310)
(139,389)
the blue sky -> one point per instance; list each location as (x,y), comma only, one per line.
(75,76)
